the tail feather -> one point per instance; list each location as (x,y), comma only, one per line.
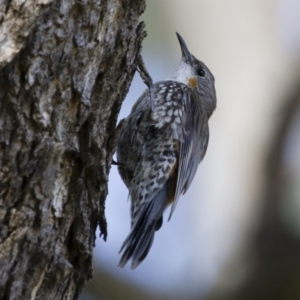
(159,224)
(138,243)
(143,248)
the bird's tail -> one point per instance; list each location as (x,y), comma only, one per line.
(138,243)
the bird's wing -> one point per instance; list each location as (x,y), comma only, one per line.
(193,143)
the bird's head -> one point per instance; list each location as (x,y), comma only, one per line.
(195,74)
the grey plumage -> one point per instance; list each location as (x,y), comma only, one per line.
(160,148)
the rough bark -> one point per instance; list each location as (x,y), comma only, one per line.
(65,67)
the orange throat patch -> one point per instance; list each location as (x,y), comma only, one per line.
(192,82)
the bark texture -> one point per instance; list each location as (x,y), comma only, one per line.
(65,67)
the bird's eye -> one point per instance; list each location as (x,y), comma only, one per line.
(201,72)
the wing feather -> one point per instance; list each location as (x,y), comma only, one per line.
(193,144)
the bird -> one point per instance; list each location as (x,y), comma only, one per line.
(163,140)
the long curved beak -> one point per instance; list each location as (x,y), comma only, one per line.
(186,55)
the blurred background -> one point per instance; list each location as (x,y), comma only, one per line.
(236,233)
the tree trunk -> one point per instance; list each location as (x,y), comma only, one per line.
(65,68)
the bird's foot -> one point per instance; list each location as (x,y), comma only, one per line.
(141,68)
(113,162)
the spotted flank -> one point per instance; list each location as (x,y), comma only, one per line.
(151,176)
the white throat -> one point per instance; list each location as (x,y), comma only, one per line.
(182,73)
